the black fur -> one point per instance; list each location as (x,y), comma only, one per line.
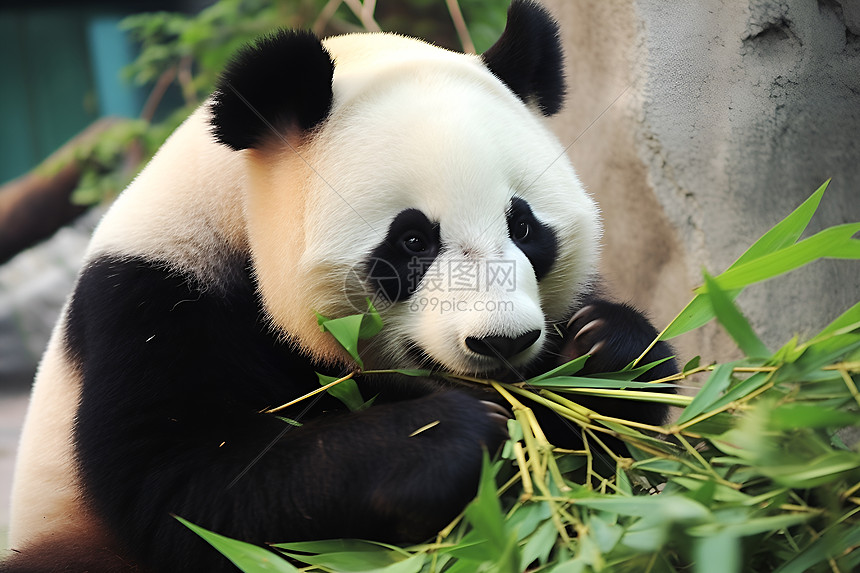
(539,244)
(280,82)
(395,267)
(169,422)
(528,57)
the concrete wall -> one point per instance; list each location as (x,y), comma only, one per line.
(697,126)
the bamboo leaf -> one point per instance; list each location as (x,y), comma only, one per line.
(566,369)
(742,389)
(346,391)
(692,364)
(363,561)
(485,515)
(787,231)
(698,312)
(246,556)
(838,542)
(734,322)
(371,322)
(713,388)
(345,330)
(798,415)
(834,242)
(718,553)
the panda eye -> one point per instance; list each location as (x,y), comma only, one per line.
(415,243)
(520,231)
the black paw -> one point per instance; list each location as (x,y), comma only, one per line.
(614,335)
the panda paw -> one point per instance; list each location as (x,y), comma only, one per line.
(613,334)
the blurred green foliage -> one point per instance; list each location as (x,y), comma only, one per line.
(191,50)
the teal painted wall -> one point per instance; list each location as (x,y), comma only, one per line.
(59,71)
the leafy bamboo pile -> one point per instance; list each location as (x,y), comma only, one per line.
(755,474)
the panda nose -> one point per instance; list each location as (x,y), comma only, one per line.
(502,346)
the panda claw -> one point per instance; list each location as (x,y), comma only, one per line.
(595,324)
(579,314)
(496,411)
(596,348)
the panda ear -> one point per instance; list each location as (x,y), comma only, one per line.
(279,82)
(528,57)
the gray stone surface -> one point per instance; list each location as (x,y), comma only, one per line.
(712,120)
(33,288)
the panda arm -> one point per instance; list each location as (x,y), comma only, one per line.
(174,378)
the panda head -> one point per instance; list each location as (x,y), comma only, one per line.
(380,166)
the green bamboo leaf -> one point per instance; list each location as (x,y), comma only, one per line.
(734,322)
(346,391)
(334,546)
(799,415)
(711,390)
(363,561)
(539,545)
(834,242)
(485,515)
(825,351)
(371,322)
(630,373)
(606,533)
(787,231)
(667,507)
(823,548)
(566,369)
(717,553)
(821,470)
(709,491)
(246,556)
(622,481)
(698,312)
(751,525)
(577,565)
(345,330)
(692,364)
(743,389)
(848,320)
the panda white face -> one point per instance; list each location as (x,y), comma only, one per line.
(437,193)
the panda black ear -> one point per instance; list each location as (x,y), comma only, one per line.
(528,57)
(278,82)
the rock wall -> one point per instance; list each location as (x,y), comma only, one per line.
(697,126)
(33,288)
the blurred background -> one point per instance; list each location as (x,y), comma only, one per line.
(696,126)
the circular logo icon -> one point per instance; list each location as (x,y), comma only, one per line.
(377,280)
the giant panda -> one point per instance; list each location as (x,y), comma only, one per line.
(319,172)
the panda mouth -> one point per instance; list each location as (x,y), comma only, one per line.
(480,366)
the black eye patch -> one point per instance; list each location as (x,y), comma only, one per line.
(536,240)
(397,265)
